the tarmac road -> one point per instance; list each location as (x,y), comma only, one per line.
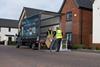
(25,57)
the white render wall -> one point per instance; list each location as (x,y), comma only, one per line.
(5,31)
(96,21)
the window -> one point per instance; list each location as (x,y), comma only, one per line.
(69,36)
(69,16)
(9,29)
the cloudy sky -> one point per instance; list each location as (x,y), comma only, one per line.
(11,9)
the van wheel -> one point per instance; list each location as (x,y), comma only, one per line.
(30,46)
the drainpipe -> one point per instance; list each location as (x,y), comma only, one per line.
(81,25)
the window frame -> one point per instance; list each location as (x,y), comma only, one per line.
(69,16)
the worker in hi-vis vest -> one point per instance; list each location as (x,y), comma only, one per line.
(58,38)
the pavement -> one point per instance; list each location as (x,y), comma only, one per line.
(88,50)
(25,57)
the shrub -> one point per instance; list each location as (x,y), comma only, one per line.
(64,46)
(77,46)
(12,43)
(97,48)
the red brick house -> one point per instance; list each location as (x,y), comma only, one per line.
(76,21)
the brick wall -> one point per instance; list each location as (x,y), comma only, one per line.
(87,27)
(81,23)
(71,6)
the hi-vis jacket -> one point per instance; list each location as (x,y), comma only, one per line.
(58,34)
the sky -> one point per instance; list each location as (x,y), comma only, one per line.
(11,9)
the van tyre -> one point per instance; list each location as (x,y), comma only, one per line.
(30,46)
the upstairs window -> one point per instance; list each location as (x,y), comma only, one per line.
(69,16)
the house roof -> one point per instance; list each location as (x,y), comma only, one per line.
(84,3)
(80,4)
(8,23)
(31,11)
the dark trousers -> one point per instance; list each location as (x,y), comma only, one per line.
(52,46)
(58,44)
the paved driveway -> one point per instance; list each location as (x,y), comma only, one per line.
(25,57)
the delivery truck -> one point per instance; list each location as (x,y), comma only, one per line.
(33,27)
(29,32)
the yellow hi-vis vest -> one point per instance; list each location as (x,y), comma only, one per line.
(58,34)
(50,33)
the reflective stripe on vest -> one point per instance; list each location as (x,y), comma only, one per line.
(58,34)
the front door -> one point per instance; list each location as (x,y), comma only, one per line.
(9,40)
